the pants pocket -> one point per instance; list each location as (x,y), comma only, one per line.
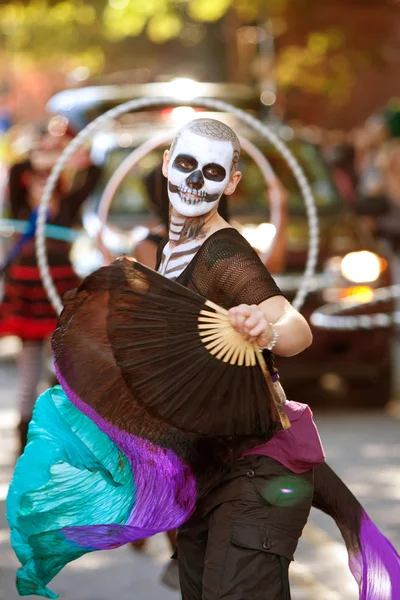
(251,570)
(264,538)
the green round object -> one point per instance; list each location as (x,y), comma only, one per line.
(286,490)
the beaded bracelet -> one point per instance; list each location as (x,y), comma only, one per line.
(275,336)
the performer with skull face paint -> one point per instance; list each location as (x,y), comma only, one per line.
(241,539)
(205,253)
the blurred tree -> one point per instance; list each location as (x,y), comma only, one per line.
(320,47)
(343,53)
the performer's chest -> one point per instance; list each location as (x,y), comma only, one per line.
(175,260)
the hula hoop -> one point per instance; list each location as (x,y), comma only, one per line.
(138,104)
(54,232)
(144,149)
(330,316)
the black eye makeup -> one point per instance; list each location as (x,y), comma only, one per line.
(214,172)
(185,163)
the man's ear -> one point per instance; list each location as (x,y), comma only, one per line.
(165,164)
(233,182)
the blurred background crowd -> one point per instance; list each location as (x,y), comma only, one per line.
(323,75)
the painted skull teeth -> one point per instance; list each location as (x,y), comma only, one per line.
(196,164)
(191,196)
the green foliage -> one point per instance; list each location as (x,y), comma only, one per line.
(320,66)
(80,32)
(164,26)
(208,10)
(120,23)
(46,32)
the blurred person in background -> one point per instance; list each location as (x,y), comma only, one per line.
(381,210)
(368,141)
(380,128)
(387,222)
(341,162)
(25,310)
(388,162)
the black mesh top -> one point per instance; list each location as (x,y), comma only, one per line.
(227,271)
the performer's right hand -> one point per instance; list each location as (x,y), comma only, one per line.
(252,324)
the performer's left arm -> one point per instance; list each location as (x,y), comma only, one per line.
(273,319)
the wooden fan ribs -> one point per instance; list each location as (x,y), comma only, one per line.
(222,341)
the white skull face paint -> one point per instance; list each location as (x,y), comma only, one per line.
(198,172)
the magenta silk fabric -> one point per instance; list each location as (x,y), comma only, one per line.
(298,448)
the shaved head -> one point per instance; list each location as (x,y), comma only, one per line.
(201,166)
(212,130)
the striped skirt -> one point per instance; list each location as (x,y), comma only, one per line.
(25,310)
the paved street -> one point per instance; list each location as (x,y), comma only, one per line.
(364,448)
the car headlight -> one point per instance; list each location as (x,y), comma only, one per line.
(361,267)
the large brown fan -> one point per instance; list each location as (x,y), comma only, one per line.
(176,352)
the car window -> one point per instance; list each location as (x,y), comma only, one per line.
(252,186)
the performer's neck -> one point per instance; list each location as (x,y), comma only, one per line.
(183,229)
